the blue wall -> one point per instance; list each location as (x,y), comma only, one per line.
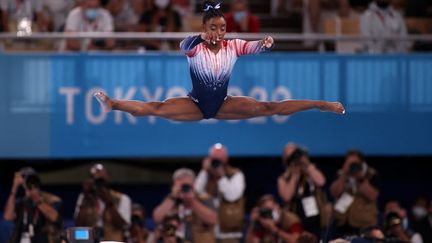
(47,111)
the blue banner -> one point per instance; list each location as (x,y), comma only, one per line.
(47,109)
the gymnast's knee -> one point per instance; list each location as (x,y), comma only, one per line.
(157,109)
(268,108)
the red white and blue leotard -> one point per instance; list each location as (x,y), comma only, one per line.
(210,72)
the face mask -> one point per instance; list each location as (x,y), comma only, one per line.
(91,14)
(405,223)
(161,4)
(276,215)
(238,16)
(419,212)
(383,5)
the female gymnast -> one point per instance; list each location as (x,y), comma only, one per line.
(211,59)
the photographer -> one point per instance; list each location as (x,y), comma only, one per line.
(269,223)
(196,211)
(137,232)
(300,188)
(166,232)
(226,185)
(99,206)
(396,223)
(356,193)
(36,214)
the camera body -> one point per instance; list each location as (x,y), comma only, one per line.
(355,167)
(266,213)
(216,163)
(136,220)
(30,177)
(295,157)
(169,229)
(100,183)
(185,188)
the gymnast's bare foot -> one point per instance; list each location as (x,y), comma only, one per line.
(335,107)
(104,100)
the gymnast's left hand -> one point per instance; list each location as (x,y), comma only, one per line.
(267,42)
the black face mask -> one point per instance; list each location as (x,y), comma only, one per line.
(383,5)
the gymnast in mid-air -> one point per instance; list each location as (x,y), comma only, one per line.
(211,60)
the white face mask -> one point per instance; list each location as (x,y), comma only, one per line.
(161,4)
(419,212)
(276,215)
(405,223)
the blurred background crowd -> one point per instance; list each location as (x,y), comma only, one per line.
(220,202)
(371,18)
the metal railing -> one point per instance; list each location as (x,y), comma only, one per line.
(181,35)
(170,36)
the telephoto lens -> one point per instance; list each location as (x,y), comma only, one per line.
(186,188)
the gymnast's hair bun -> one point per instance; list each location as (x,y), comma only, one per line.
(210,5)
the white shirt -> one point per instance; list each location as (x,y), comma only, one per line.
(18,9)
(231,189)
(377,22)
(76,21)
(416,238)
(57,10)
(127,15)
(124,208)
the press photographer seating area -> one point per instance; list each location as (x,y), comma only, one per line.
(319,206)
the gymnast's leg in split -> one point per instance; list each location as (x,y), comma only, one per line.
(234,107)
(244,107)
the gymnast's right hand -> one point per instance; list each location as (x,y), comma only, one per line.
(210,37)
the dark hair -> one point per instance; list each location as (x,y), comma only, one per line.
(168,218)
(355,152)
(33,181)
(307,237)
(366,232)
(263,199)
(211,9)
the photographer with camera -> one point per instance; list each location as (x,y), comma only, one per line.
(421,217)
(300,187)
(36,214)
(225,184)
(196,211)
(356,193)
(103,208)
(137,231)
(269,223)
(166,232)
(396,224)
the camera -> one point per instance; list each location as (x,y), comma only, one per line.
(30,177)
(169,225)
(392,220)
(31,181)
(100,183)
(215,163)
(169,229)
(185,188)
(295,156)
(355,167)
(266,213)
(136,220)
